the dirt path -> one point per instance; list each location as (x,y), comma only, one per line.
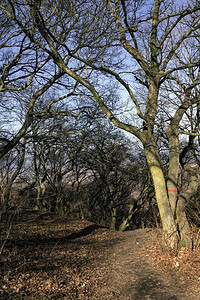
(134,275)
(47,257)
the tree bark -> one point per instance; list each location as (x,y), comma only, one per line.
(166,215)
(172,180)
(6,192)
(183,224)
(126,221)
(113,218)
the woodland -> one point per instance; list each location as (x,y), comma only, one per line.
(99,122)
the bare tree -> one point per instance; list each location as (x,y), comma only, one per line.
(108,172)
(134,43)
(27,76)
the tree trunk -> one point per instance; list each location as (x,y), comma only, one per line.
(6,192)
(37,177)
(113,218)
(172,181)
(126,221)
(166,215)
(183,224)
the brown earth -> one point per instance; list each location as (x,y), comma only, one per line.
(49,257)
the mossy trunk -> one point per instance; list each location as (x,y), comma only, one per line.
(113,218)
(37,206)
(126,221)
(166,215)
(183,224)
(172,181)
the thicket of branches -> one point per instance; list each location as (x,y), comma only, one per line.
(67,65)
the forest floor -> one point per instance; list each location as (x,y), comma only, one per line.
(51,257)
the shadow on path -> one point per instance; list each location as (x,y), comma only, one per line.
(152,288)
(83,232)
(38,240)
